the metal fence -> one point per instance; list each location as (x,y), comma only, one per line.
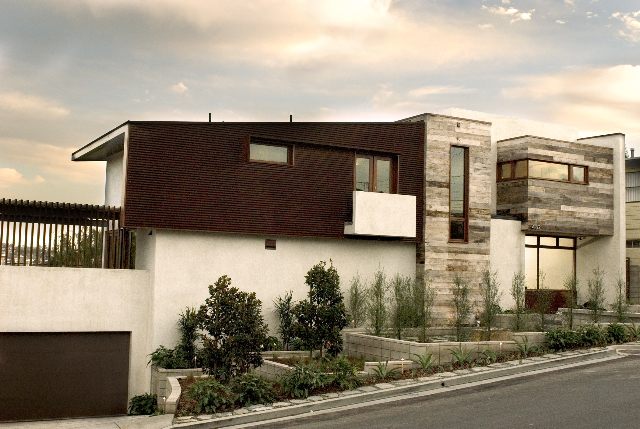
(41,233)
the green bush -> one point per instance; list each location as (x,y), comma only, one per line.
(271,344)
(357,302)
(377,303)
(284,311)
(208,395)
(563,339)
(235,330)
(424,297)
(461,304)
(301,380)
(250,389)
(490,298)
(321,317)
(188,324)
(344,373)
(592,335)
(518,295)
(145,404)
(617,333)
(166,358)
(402,305)
(595,294)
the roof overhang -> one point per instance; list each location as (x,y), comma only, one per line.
(103,147)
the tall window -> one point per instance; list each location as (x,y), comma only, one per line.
(374,174)
(459,194)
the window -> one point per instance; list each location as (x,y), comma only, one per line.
(633,244)
(270,152)
(374,174)
(633,186)
(531,168)
(459,194)
(553,257)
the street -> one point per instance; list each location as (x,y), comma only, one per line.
(602,395)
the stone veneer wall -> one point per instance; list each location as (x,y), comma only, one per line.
(551,207)
(439,257)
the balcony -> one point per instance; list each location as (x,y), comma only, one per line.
(383,215)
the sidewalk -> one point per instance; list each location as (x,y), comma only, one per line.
(360,396)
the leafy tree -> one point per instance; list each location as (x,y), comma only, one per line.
(621,305)
(322,316)
(424,297)
(357,302)
(571,286)
(377,308)
(461,306)
(235,330)
(284,311)
(543,300)
(518,295)
(490,300)
(82,248)
(188,324)
(402,305)
(595,294)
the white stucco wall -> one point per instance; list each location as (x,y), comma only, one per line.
(186,263)
(507,255)
(42,299)
(609,253)
(114,180)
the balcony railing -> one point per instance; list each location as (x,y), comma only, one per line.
(40,233)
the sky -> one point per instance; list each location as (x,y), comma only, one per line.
(71,70)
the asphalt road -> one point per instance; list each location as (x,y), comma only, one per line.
(601,395)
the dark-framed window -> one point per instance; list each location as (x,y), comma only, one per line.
(374,173)
(545,170)
(548,261)
(271,152)
(459,194)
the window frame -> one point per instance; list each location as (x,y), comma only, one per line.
(373,172)
(268,142)
(539,246)
(465,207)
(569,166)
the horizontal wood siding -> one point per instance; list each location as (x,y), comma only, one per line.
(559,208)
(194,176)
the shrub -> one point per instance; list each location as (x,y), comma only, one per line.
(250,389)
(188,324)
(571,286)
(563,339)
(344,374)
(208,395)
(402,305)
(595,294)
(461,306)
(490,300)
(301,380)
(426,361)
(383,371)
(377,309)
(525,348)
(621,305)
(424,297)
(235,330)
(634,332)
(166,358)
(518,295)
(460,356)
(145,404)
(357,302)
(321,317)
(543,300)
(617,333)
(592,335)
(284,311)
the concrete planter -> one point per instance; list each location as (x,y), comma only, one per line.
(583,316)
(162,387)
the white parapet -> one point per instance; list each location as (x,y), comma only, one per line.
(386,215)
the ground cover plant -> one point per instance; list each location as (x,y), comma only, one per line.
(145,404)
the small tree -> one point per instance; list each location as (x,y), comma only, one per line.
(621,305)
(235,330)
(322,316)
(423,298)
(377,309)
(461,306)
(596,294)
(188,324)
(284,312)
(490,300)
(518,295)
(357,302)
(402,305)
(543,300)
(571,286)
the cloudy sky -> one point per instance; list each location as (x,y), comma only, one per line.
(71,70)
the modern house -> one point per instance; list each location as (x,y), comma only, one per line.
(446,194)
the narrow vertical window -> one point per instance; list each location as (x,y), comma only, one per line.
(458,194)
(363,173)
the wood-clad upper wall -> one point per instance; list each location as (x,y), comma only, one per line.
(195,176)
(559,208)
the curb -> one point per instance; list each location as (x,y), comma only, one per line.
(403,387)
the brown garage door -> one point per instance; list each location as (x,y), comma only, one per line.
(45,375)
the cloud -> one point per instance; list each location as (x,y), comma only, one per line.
(443,89)
(559,21)
(30,105)
(179,88)
(511,12)
(483,26)
(9,176)
(588,98)
(632,24)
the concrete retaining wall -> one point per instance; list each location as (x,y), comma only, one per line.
(583,317)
